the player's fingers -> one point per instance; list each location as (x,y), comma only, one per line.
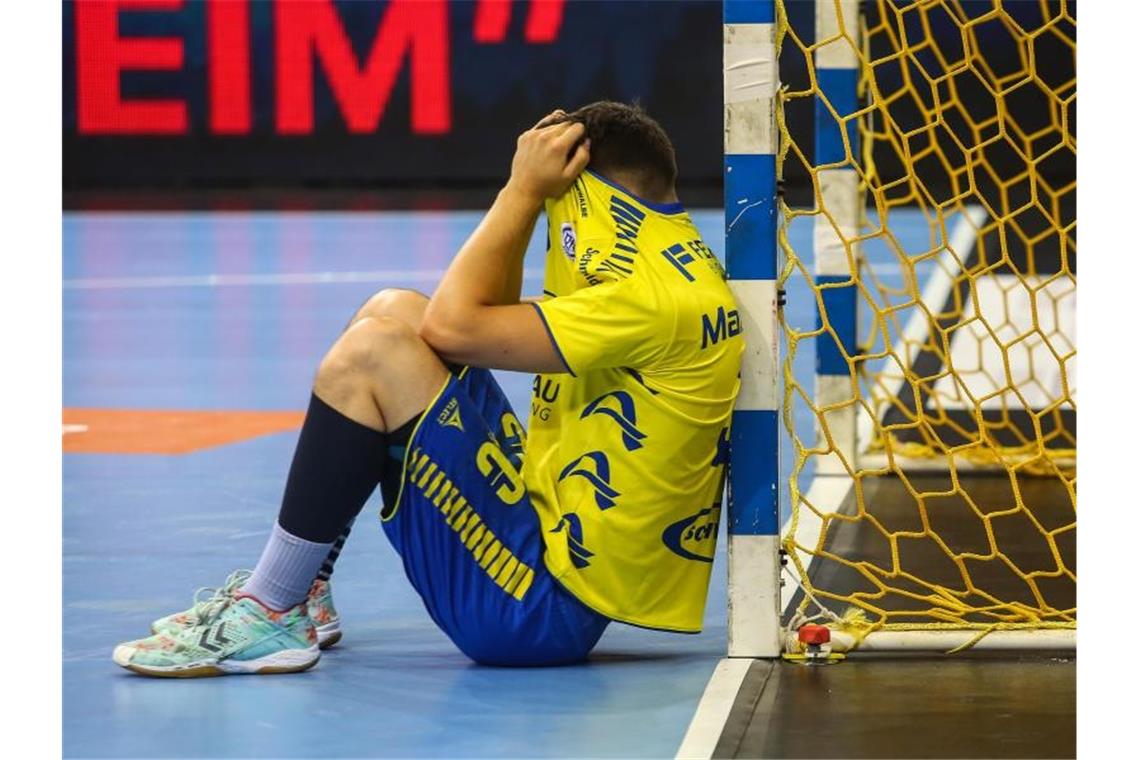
(578,161)
(552,134)
(549,118)
(565,139)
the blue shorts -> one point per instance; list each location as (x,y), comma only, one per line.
(471,541)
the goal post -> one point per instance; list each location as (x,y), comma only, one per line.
(750,222)
(927,246)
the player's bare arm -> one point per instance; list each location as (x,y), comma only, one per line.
(475,316)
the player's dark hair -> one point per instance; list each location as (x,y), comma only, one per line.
(626,139)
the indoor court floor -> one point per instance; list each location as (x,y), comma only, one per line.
(190,341)
(183,316)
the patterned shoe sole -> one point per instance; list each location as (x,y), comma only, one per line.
(328,634)
(288,661)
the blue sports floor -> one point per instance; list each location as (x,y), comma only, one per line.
(201,311)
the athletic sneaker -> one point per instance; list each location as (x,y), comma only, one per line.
(205,600)
(320,607)
(238,635)
(324,615)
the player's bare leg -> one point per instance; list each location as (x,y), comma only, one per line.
(378,376)
(379,373)
(401,304)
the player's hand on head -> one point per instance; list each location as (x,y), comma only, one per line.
(549,157)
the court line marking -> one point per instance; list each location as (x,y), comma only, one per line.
(250,279)
(828,490)
(934,295)
(378,276)
(712,712)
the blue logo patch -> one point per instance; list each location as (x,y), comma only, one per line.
(695,536)
(579,554)
(569,241)
(625,415)
(605,495)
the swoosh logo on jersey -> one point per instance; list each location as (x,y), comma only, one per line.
(625,416)
(694,537)
(605,495)
(579,554)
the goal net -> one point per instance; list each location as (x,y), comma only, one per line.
(933,454)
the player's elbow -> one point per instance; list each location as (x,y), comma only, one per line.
(444,333)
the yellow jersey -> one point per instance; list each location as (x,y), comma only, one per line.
(625,455)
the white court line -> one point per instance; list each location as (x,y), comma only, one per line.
(827,493)
(712,712)
(934,295)
(379,276)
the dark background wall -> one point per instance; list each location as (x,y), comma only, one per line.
(188,99)
(455,105)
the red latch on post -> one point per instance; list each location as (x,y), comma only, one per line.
(814,634)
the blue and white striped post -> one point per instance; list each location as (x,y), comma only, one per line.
(836,68)
(750,81)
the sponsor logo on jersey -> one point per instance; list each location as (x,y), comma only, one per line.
(572,525)
(449,416)
(568,240)
(681,259)
(594,468)
(727,325)
(618,406)
(580,198)
(694,537)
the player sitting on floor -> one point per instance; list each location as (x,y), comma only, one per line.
(523,543)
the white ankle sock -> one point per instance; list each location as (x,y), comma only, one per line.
(286,570)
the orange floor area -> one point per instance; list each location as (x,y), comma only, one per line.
(166,431)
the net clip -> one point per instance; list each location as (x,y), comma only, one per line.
(814,646)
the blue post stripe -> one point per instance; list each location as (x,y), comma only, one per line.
(749,11)
(750,216)
(754,497)
(839,86)
(840,304)
(750,220)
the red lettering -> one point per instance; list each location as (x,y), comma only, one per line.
(101,55)
(492,17)
(544,21)
(308,30)
(227,43)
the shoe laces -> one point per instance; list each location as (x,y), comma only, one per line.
(210,602)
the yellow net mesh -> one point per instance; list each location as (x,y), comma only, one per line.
(960,402)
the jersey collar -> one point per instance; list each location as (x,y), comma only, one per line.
(662,208)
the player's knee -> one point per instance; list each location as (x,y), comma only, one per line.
(368,346)
(398,303)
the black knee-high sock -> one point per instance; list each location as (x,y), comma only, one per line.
(336,467)
(329,564)
(391,471)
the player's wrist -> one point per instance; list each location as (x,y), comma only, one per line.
(520,194)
